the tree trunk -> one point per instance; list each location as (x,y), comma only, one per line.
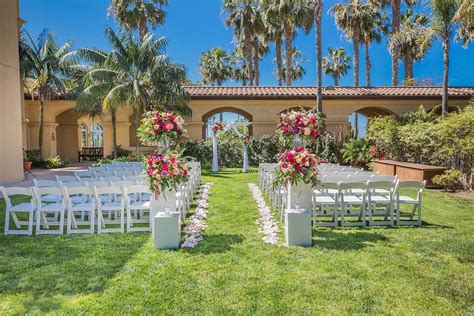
(356,125)
(444,101)
(248,55)
(278,44)
(219,82)
(355,44)
(288,52)
(368,64)
(41,122)
(319,56)
(137,139)
(336,80)
(114,132)
(244,79)
(395,29)
(256,67)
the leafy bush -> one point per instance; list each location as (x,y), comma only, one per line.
(423,137)
(121,152)
(55,162)
(357,152)
(34,156)
(449,180)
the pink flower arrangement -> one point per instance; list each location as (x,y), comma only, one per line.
(295,166)
(165,171)
(217,127)
(299,123)
(159,126)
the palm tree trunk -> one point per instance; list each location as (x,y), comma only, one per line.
(395,29)
(356,125)
(114,132)
(248,55)
(288,52)
(278,44)
(444,101)
(336,80)
(41,123)
(137,140)
(319,56)
(368,64)
(355,44)
(219,82)
(256,65)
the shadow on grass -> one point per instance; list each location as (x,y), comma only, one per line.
(44,266)
(343,240)
(217,243)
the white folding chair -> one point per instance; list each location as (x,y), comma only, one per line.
(19,209)
(326,204)
(114,209)
(141,209)
(85,210)
(353,204)
(43,209)
(84,175)
(110,179)
(104,174)
(63,179)
(379,203)
(414,202)
(47,184)
(99,183)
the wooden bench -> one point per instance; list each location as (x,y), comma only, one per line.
(408,170)
(91,153)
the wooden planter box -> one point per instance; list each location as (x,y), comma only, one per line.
(408,171)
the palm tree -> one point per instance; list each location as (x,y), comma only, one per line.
(396,21)
(137,14)
(465,16)
(215,66)
(318,15)
(444,25)
(241,15)
(373,27)
(350,19)
(295,14)
(136,74)
(260,49)
(273,24)
(43,62)
(297,70)
(336,64)
(412,42)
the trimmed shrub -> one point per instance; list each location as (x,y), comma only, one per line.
(449,180)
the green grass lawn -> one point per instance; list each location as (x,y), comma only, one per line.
(370,270)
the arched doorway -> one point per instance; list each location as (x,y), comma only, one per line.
(359,119)
(97,135)
(225,114)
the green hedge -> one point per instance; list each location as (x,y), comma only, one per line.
(427,138)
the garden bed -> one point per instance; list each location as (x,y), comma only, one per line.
(408,171)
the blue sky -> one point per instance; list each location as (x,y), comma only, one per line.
(194,26)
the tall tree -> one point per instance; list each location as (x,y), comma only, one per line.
(318,31)
(465,16)
(373,27)
(444,26)
(297,70)
(396,20)
(412,42)
(273,24)
(260,49)
(136,74)
(138,14)
(215,66)
(43,63)
(349,18)
(241,15)
(336,64)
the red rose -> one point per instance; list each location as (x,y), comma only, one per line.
(164,167)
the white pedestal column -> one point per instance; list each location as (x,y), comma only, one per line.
(298,231)
(300,196)
(167,230)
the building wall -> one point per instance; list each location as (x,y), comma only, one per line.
(63,124)
(11,141)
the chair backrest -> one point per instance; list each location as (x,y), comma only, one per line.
(347,186)
(110,179)
(8,192)
(420,185)
(82,190)
(99,174)
(71,184)
(122,183)
(359,177)
(66,178)
(96,183)
(335,178)
(384,178)
(84,174)
(137,189)
(39,192)
(122,173)
(375,184)
(107,190)
(45,183)
(100,168)
(329,185)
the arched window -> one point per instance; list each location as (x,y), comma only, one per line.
(83,135)
(96,135)
(225,114)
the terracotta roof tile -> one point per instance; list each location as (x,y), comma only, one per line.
(310,92)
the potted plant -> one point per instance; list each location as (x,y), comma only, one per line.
(27,163)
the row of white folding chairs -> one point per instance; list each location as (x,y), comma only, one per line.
(373,202)
(108,173)
(134,178)
(79,206)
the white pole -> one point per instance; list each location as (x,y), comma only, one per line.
(246,159)
(215,163)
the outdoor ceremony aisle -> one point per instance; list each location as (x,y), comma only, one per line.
(402,270)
